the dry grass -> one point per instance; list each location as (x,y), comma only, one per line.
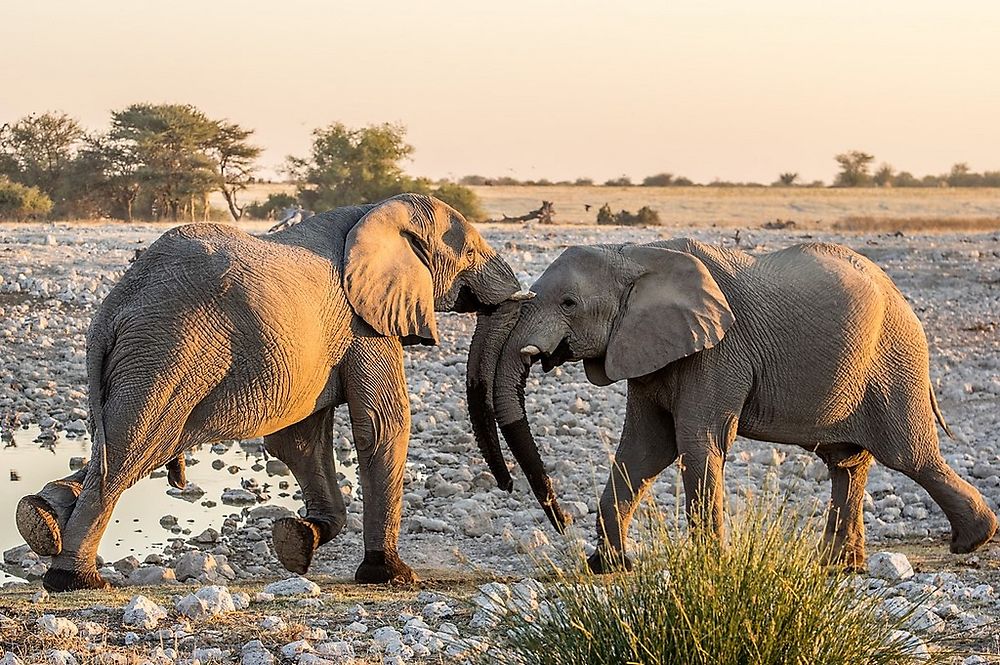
(867,224)
(753,207)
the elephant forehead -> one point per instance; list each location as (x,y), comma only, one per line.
(578,268)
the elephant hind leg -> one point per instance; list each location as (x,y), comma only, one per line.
(844,537)
(972,522)
(41,517)
(307,448)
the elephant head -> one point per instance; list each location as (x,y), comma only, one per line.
(412,255)
(624,311)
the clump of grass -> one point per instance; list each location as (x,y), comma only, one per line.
(764,598)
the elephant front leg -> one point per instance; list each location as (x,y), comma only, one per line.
(647,447)
(307,448)
(380,417)
(42,517)
(702,458)
(844,537)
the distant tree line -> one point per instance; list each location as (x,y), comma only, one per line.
(154,161)
(162,161)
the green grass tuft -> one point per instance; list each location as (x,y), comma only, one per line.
(764,598)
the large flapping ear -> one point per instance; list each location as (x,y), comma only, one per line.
(387,273)
(672,310)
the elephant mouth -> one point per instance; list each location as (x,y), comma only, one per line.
(467,301)
(561,354)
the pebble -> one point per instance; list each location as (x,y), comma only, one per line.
(891,566)
(293,586)
(141,612)
(57,626)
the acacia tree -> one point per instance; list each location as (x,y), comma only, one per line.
(169,142)
(235,161)
(854,167)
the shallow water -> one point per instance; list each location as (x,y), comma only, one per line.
(135,526)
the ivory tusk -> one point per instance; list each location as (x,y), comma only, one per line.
(530,350)
(522,295)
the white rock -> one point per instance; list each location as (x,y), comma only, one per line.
(254,653)
(912,644)
(58,626)
(60,657)
(357,627)
(192,565)
(209,654)
(206,601)
(293,586)
(273,623)
(151,575)
(141,612)
(891,566)
(293,649)
(337,650)
(437,611)
(241,600)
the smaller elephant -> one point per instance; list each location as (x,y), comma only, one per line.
(812,345)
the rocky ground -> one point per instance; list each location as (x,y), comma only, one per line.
(459,530)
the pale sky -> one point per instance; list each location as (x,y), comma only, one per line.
(730,89)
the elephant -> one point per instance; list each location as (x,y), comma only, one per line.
(811,345)
(215,334)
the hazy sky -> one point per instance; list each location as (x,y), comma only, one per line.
(731,89)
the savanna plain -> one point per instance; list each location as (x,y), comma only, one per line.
(478,549)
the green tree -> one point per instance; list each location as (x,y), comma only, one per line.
(169,142)
(854,167)
(353,166)
(270,207)
(20,202)
(38,150)
(235,158)
(105,178)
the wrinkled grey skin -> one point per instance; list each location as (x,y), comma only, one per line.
(812,345)
(215,334)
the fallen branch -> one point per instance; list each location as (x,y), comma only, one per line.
(544,215)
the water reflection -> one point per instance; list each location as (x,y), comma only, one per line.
(223,479)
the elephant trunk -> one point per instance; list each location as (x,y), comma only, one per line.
(511,375)
(492,329)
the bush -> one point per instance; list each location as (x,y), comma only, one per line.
(763,598)
(645,217)
(18,202)
(460,198)
(623,181)
(270,207)
(658,180)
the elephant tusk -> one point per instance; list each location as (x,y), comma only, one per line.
(530,350)
(522,295)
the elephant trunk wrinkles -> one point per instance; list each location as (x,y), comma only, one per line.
(495,283)
(492,329)
(512,374)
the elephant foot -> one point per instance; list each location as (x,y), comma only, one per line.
(58,580)
(975,534)
(601,562)
(381,567)
(295,541)
(39,525)
(176,472)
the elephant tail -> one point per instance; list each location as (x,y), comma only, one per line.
(938,416)
(98,347)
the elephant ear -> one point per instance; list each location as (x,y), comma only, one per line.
(672,310)
(387,274)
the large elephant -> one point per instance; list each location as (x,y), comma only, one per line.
(811,345)
(215,334)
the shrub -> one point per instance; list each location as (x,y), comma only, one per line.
(19,202)
(646,216)
(271,206)
(764,598)
(658,180)
(623,181)
(460,198)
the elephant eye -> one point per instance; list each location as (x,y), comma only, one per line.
(568,303)
(470,254)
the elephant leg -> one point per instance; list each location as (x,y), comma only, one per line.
(380,418)
(972,522)
(42,517)
(702,455)
(177,472)
(647,447)
(844,537)
(307,448)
